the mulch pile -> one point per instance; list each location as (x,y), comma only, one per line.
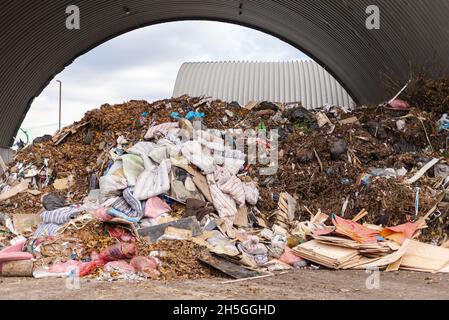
(308,169)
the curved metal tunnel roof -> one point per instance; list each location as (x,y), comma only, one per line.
(244,81)
(35,44)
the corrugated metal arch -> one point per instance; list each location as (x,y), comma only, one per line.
(242,82)
(35,45)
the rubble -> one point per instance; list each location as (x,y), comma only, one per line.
(162,191)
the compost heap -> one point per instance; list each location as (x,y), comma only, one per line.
(130,189)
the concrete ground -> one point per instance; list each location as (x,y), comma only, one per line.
(296,285)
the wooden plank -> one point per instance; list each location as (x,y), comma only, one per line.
(356,262)
(362,214)
(395,266)
(389,259)
(329,256)
(425,257)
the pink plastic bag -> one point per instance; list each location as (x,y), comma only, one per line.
(15,253)
(146,266)
(82,268)
(118,252)
(155,207)
(64,267)
(121,234)
(102,215)
(290,258)
(400,233)
(399,104)
(15,256)
(15,248)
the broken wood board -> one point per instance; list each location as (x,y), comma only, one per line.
(338,241)
(371,250)
(329,256)
(362,214)
(231,269)
(359,260)
(388,259)
(21,187)
(395,266)
(444,270)
(286,210)
(425,257)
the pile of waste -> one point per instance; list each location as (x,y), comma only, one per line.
(189,187)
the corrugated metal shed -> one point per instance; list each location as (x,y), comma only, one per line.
(293,81)
(36,45)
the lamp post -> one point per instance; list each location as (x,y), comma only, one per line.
(60,102)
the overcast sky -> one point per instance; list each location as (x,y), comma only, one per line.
(143,64)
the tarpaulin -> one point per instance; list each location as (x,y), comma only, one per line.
(355,230)
(400,233)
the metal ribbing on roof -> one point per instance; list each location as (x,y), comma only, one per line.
(35,44)
(292,81)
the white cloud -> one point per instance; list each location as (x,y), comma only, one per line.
(143,64)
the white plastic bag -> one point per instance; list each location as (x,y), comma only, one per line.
(141,148)
(159,154)
(132,167)
(254,247)
(161,129)
(251,193)
(192,151)
(114,181)
(154,181)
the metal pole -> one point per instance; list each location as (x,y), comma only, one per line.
(60,103)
